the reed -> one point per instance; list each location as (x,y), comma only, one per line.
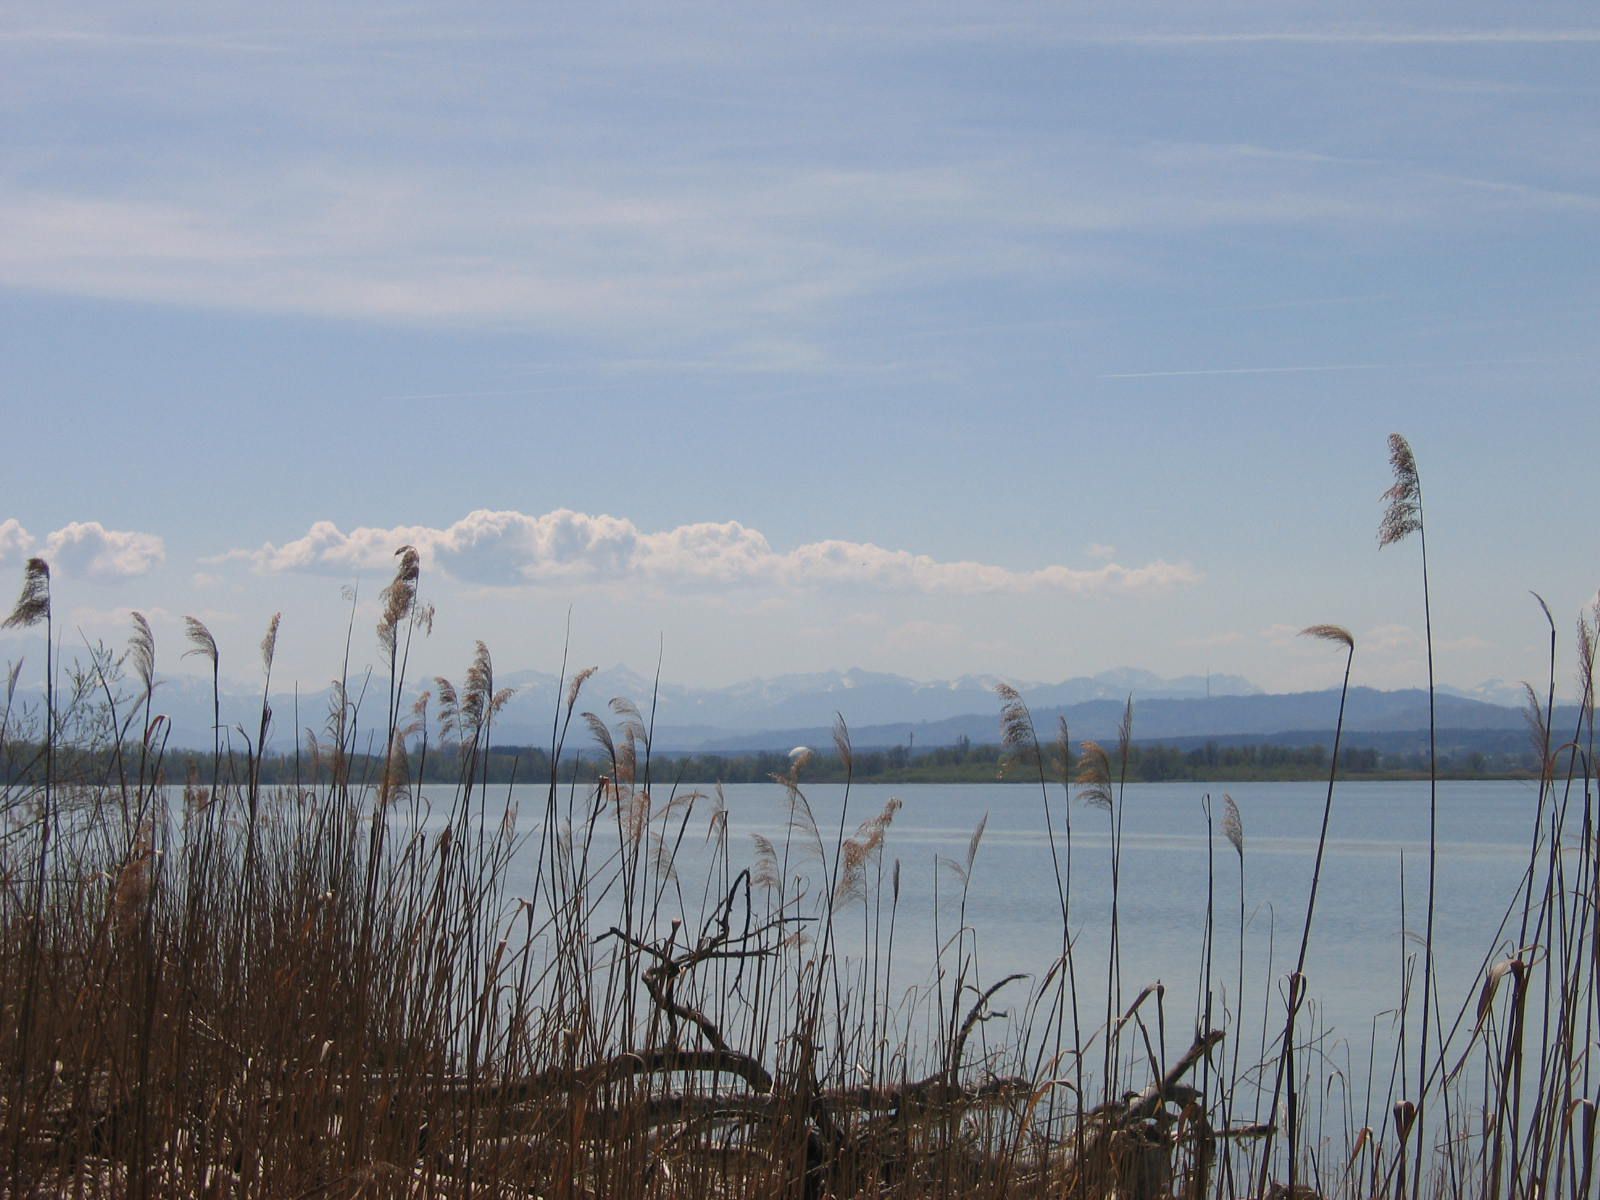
(1402,518)
(214,987)
(1297,982)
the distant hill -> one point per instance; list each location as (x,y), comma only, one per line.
(687,716)
(881,709)
(1169,720)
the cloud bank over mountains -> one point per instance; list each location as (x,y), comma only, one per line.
(509,549)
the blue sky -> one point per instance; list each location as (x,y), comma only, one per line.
(937,338)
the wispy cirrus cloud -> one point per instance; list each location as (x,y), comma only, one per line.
(85,548)
(510,549)
(688,200)
(743,252)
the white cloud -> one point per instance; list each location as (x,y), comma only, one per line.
(86,548)
(15,541)
(505,548)
(89,548)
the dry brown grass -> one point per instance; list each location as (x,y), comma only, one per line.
(327,990)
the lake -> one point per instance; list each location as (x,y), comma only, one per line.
(1357,950)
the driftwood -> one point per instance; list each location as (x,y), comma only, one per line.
(1127,1145)
(835,1121)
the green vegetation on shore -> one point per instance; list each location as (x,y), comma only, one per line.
(966,763)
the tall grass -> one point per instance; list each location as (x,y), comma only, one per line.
(356,986)
(1401,518)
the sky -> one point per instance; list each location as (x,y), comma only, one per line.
(1029,340)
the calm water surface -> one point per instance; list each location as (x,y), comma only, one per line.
(1358,947)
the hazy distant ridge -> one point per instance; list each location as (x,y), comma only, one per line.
(883,709)
(1368,710)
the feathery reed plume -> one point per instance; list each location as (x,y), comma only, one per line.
(634,729)
(802,820)
(1232,825)
(841,744)
(33,604)
(601,732)
(1064,760)
(1016,726)
(767,873)
(974,841)
(480,702)
(398,606)
(1094,776)
(576,686)
(200,639)
(449,706)
(142,651)
(861,850)
(269,652)
(269,642)
(1403,517)
(1330,633)
(399,598)
(203,644)
(479,679)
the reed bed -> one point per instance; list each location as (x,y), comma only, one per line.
(209,987)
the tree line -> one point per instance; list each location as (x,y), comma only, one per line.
(961,762)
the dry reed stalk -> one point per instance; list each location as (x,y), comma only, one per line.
(1403,517)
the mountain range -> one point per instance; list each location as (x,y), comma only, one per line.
(883,709)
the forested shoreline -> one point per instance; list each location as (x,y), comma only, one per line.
(963,763)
